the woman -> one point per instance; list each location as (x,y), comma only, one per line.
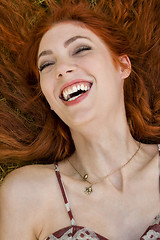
(95,122)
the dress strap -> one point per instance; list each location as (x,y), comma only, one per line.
(64,194)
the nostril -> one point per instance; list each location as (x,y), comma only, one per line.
(61,74)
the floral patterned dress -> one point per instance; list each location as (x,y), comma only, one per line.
(75,232)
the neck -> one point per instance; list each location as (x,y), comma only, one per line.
(101,150)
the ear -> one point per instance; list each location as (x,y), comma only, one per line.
(125,67)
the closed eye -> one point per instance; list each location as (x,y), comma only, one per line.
(45,65)
(81,49)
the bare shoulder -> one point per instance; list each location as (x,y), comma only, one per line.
(22,193)
(149,153)
(150,149)
(25,180)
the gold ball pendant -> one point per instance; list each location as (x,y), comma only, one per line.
(85,177)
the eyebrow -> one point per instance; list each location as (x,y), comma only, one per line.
(44,53)
(69,41)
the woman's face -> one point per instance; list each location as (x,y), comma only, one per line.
(77,74)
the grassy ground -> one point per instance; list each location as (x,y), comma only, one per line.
(5,169)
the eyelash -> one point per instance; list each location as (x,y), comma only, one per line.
(80,49)
(45,65)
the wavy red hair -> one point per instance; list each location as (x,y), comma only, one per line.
(29,131)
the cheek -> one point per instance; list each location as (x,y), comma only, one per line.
(98,64)
(46,84)
(47,90)
(43,88)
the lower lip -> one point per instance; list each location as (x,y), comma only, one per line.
(77,100)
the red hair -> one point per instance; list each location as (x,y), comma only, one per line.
(29,131)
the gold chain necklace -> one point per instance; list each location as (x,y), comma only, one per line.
(89,190)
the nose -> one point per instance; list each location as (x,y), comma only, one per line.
(60,74)
(64,69)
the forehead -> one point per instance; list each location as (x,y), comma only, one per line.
(61,32)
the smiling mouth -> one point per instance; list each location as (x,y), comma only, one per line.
(74,91)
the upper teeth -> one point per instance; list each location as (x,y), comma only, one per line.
(72,89)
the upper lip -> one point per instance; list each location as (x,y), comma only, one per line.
(71,83)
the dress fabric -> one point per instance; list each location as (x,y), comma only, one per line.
(75,232)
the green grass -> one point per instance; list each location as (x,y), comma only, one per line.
(7,168)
